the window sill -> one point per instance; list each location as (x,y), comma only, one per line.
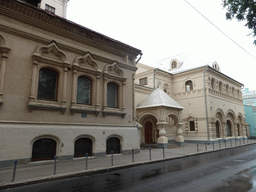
(113,112)
(46,105)
(191,132)
(76,108)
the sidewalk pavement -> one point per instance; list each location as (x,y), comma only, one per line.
(37,170)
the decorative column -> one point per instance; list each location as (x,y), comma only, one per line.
(139,127)
(74,93)
(123,94)
(64,100)
(105,93)
(224,128)
(235,130)
(97,105)
(179,139)
(3,64)
(162,140)
(34,80)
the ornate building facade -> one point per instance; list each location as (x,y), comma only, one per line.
(65,90)
(203,105)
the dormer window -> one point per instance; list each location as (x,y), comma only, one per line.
(174,64)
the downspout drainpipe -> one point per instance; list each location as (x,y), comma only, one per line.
(206,111)
(138,58)
(155,71)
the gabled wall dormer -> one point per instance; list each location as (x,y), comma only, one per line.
(175,64)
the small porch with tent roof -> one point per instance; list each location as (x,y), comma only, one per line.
(153,114)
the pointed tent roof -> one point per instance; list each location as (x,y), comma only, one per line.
(158,98)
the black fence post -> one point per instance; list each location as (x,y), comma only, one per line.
(225,143)
(163,153)
(55,165)
(133,155)
(205,147)
(219,144)
(86,161)
(197,148)
(149,153)
(14,171)
(112,158)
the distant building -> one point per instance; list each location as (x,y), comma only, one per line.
(56,7)
(65,90)
(249,98)
(186,99)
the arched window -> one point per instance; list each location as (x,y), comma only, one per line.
(83,146)
(229,133)
(189,85)
(112,95)
(220,86)
(233,91)
(113,144)
(47,86)
(43,149)
(217,129)
(213,83)
(83,91)
(174,64)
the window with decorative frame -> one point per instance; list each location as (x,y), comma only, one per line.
(49,79)
(143,81)
(47,85)
(83,90)
(189,85)
(86,84)
(4,50)
(114,85)
(112,95)
(191,124)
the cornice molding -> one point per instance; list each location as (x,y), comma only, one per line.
(64,47)
(41,19)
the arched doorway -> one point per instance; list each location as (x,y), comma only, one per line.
(83,146)
(113,144)
(217,129)
(148,132)
(43,149)
(229,132)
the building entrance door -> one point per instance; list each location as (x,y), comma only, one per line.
(148,132)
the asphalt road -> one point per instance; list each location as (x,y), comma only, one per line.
(237,173)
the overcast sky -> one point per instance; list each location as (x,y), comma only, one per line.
(165,28)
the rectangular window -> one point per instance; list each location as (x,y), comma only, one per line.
(49,8)
(144,81)
(192,125)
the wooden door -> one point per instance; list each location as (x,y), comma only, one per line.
(148,132)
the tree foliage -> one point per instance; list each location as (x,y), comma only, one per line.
(242,10)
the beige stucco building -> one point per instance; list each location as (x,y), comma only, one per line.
(204,104)
(65,90)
